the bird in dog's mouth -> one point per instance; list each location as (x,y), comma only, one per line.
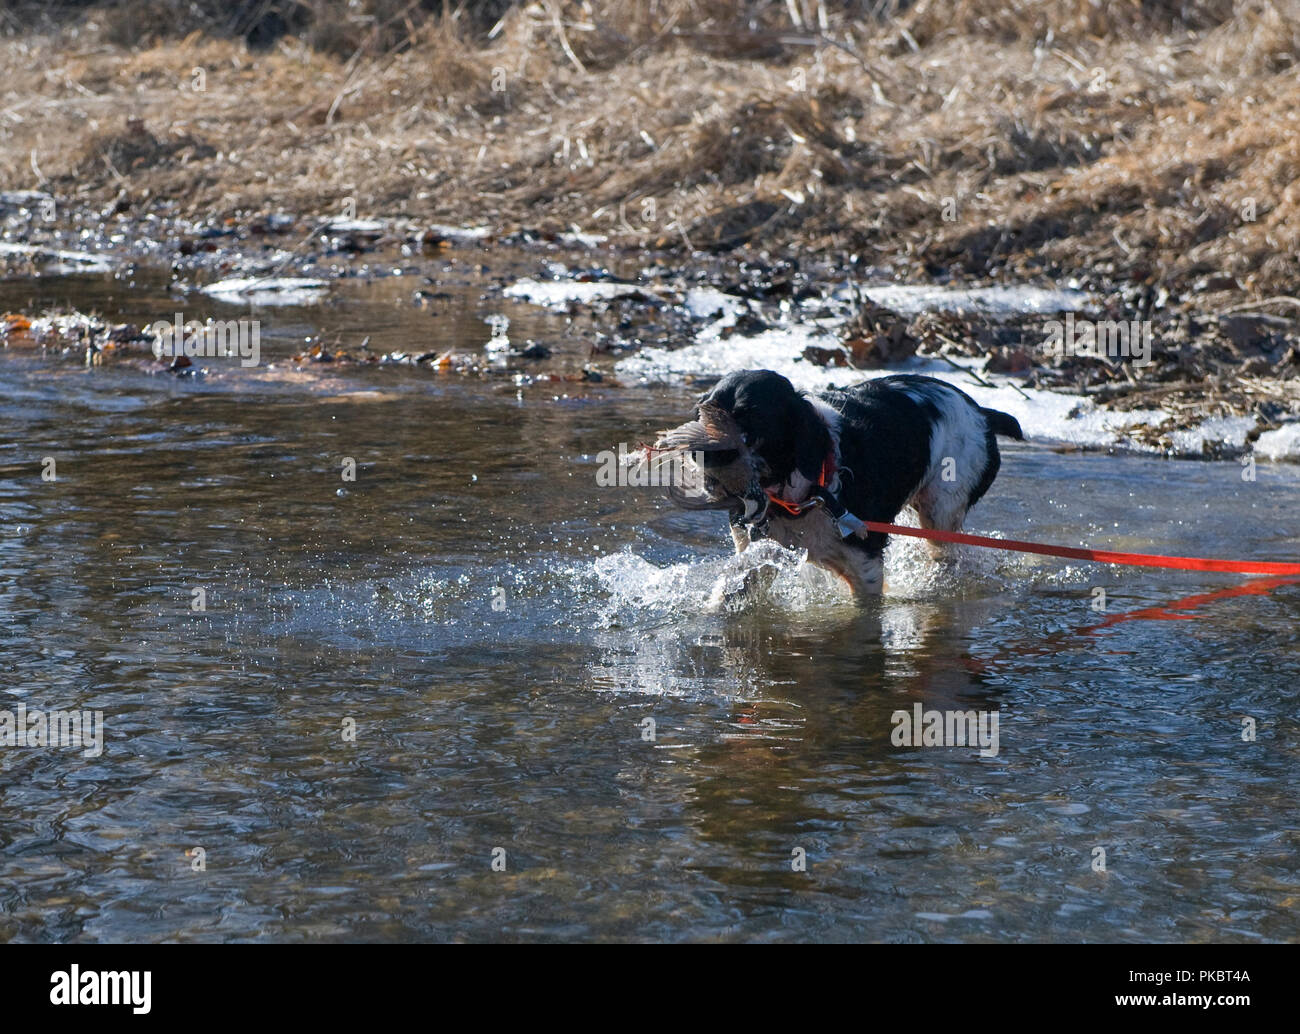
(731,468)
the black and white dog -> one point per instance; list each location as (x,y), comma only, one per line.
(790,466)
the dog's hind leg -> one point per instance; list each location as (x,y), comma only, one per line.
(943,501)
(941,511)
(943,505)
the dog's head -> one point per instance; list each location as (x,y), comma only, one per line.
(754,432)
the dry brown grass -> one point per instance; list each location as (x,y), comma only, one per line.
(1118,140)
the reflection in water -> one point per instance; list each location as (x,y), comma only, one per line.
(499,629)
(1197,601)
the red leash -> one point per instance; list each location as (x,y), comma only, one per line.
(1104,556)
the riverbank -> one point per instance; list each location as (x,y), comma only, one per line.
(1146,159)
(556,316)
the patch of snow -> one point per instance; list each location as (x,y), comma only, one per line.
(1227,430)
(1282,444)
(708,302)
(461,233)
(584,240)
(60,261)
(1045,415)
(557,294)
(910,299)
(355,226)
(288,290)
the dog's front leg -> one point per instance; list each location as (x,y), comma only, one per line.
(865,572)
(740,534)
(725,592)
(816,533)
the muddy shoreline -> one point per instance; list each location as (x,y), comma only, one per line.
(1186,365)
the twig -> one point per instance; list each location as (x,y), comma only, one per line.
(1244,306)
(821,38)
(564,39)
(967,370)
(298,247)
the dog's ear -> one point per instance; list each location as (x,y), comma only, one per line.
(811,439)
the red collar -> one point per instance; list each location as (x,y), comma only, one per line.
(823,480)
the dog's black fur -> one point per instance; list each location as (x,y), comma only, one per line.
(886,455)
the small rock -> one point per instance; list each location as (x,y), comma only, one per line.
(819,356)
(1009,360)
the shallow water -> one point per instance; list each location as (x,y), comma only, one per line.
(499,628)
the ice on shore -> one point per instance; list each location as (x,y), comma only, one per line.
(59,260)
(288,290)
(559,293)
(1282,444)
(1012,300)
(1050,416)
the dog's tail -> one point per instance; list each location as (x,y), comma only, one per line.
(1004,424)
